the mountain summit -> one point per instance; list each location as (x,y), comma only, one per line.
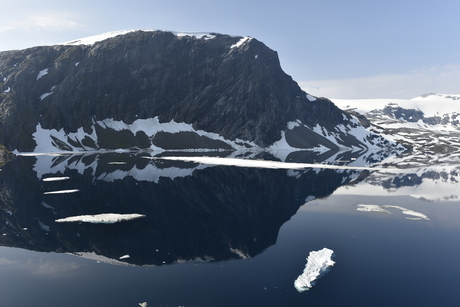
(165,90)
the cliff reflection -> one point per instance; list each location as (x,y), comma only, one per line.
(193,212)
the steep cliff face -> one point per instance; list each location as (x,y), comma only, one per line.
(157,89)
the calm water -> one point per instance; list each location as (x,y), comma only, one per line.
(222,235)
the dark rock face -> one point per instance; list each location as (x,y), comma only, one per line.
(237,92)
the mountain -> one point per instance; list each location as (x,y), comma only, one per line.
(160,90)
(429,124)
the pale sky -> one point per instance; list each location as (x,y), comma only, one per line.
(332,48)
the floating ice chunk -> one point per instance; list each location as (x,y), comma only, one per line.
(144,304)
(7,90)
(55,178)
(318,263)
(124,257)
(42,73)
(62,191)
(415,215)
(376,208)
(106,218)
(371,208)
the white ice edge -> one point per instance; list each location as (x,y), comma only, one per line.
(317,265)
(262,163)
(55,178)
(105,218)
(62,191)
(99,258)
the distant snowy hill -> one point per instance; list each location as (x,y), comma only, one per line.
(429,124)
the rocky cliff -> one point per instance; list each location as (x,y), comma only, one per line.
(164,90)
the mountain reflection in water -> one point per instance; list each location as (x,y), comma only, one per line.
(192,211)
(218,235)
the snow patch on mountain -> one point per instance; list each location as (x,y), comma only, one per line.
(91,40)
(241,42)
(42,73)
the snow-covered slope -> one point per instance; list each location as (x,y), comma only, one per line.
(429,124)
(90,40)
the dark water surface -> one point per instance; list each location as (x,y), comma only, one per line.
(218,236)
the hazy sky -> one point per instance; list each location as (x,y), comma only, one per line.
(333,48)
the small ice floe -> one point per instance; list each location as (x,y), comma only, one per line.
(7,90)
(105,218)
(318,263)
(9,212)
(414,215)
(144,304)
(124,257)
(371,208)
(376,208)
(62,191)
(55,178)
(117,163)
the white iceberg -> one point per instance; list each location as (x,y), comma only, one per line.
(105,218)
(318,263)
(371,208)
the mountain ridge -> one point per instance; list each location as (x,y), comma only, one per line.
(429,124)
(223,92)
